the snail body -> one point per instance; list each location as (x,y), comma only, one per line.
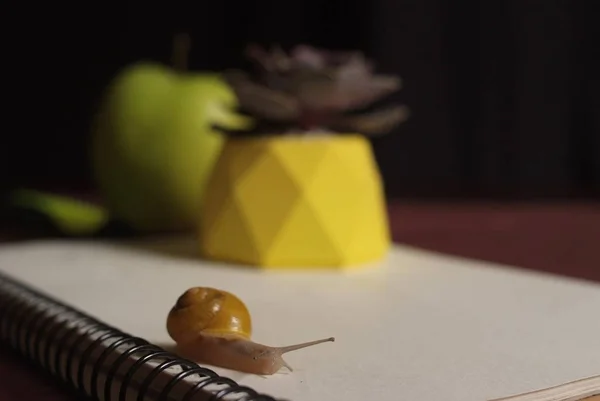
(214,326)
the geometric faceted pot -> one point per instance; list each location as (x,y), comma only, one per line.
(287,201)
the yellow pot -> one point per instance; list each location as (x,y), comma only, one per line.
(295,201)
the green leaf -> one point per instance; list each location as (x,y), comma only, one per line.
(70,216)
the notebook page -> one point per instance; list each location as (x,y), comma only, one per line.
(417,326)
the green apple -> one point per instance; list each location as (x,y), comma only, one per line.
(154,143)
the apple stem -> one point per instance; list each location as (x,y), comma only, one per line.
(181,49)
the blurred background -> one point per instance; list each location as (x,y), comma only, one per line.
(505,96)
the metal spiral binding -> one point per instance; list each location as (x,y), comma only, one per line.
(48,332)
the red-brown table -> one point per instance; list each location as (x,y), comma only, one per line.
(557,238)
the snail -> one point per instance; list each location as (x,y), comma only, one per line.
(214,327)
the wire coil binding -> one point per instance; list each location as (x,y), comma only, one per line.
(49,333)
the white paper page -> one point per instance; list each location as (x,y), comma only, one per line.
(419,326)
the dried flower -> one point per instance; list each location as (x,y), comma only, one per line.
(312,89)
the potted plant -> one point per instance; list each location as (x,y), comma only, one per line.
(301,187)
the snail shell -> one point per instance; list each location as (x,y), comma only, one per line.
(214,326)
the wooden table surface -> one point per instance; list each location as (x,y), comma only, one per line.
(558,238)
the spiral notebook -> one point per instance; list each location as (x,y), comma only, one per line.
(419,325)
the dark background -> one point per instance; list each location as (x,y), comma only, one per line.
(505,96)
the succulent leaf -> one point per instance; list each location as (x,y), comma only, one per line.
(264,102)
(377,122)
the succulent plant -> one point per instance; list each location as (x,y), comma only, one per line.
(312,89)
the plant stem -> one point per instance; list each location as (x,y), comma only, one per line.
(181,50)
